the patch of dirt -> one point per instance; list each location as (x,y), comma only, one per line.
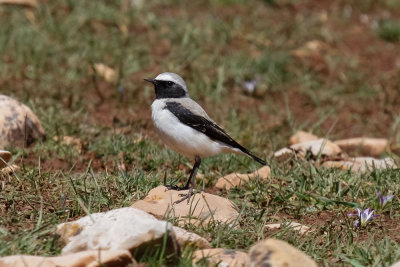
(355,117)
(54,164)
(339,223)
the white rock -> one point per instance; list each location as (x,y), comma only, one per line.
(361,164)
(125,228)
(277,253)
(311,49)
(70,141)
(221,257)
(9,170)
(364,145)
(202,208)
(237,179)
(292,225)
(397,264)
(317,147)
(284,154)
(90,258)
(105,72)
(321,146)
(301,136)
(184,238)
(26,3)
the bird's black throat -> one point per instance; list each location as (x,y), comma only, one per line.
(166,89)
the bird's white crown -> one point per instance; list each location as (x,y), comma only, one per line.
(173,77)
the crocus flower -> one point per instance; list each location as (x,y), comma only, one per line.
(384,199)
(363,217)
(250,86)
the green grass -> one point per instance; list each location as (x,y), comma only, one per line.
(216,46)
(389,31)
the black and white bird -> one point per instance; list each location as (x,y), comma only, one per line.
(186,128)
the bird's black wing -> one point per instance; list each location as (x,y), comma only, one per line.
(206,126)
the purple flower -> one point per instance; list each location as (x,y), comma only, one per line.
(250,86)
(384,199)
(363,217)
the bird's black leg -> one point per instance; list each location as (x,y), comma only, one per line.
(190,183)
(192,178)
(192,172)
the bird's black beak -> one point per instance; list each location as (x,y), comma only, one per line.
(153,81)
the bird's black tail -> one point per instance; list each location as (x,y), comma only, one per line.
(262,162)
(251,155)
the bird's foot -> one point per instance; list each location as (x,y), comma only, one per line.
(186,196)
(176,188)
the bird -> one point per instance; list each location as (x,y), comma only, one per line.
(184,126)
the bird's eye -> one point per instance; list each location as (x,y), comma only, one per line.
(169,83)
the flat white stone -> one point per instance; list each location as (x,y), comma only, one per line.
(293,225)
(277,253)
(317,147)
(222,257)
(364,145)
(184,238)
(202,208)
(89,258)
(302,136)
(124,228)
(238,179)
(361,164)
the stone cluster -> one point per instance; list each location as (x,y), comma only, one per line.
(339,153)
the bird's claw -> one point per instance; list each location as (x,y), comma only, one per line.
(185,196)
(175,187)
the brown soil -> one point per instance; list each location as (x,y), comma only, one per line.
(354,117)
(382,225)
(59,164)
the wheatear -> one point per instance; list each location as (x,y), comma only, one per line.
(186,128)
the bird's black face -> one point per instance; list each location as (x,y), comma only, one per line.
(167,89)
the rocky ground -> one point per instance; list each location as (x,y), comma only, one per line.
(122,237)
(310,86)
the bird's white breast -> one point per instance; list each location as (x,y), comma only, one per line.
(180,137)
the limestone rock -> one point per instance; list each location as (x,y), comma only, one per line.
(221,257)
(70,141)
(237,179)
(364,145)
(25,3)
(5,157)
(203,207)
(184,238)
(8,170)
(284,154)
(18,125)
(397,264)
(125,228)
(315,53)
(311,49)
(277,253)
(301,136)
(317,147)
(91,258)
(292,225)
(105,72)
(361,164)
